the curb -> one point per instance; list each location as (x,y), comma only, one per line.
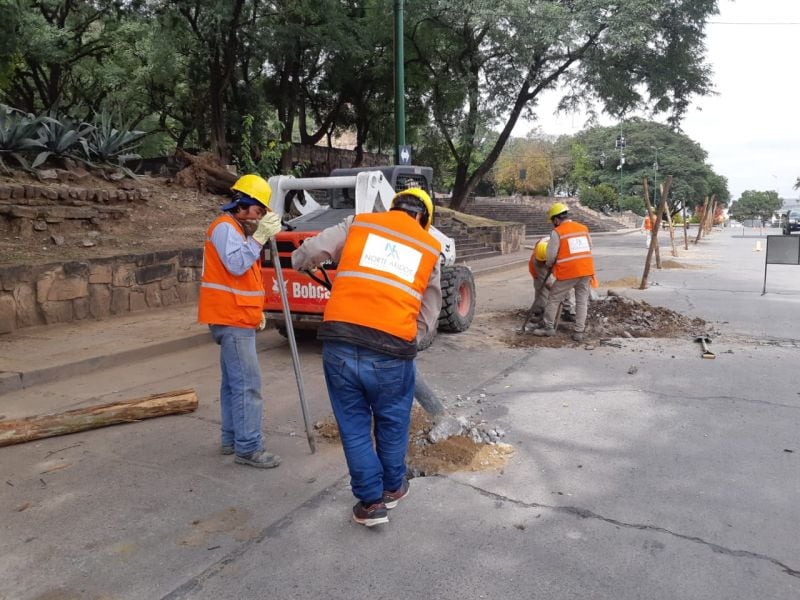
(12,381)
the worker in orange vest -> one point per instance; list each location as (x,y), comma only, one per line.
(569,255)
(232,303)
(647,229)
(539,271)
(385,298)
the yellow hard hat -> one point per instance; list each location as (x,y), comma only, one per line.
(254,186)
(540,250)
(418,194)
(557,209)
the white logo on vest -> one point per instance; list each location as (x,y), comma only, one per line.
(391,257)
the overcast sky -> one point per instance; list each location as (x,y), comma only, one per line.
(751,129)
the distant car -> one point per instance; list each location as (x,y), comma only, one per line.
(791,222)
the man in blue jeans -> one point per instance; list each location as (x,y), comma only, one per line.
(232,303)
(385,297)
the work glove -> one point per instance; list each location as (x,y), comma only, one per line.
(268,226)
(263,324)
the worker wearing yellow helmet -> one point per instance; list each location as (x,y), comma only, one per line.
(539,271)
(232,303)
(385,298)
(569,257)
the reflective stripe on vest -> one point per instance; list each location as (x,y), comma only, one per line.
(574,259)
(225,298)
(386,262)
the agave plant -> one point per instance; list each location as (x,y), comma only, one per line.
(61,137)
(106,144)
(18,134)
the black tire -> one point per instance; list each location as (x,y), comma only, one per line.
(458,299)
(300,335)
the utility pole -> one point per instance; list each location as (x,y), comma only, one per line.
(620,145)
(655,176)
(399,82)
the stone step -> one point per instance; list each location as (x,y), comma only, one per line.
(475,254)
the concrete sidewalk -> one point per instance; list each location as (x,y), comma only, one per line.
(44,354)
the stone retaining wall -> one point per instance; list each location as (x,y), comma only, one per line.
(25,208)
(73,291)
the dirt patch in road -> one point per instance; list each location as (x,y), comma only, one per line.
(611,316)
(625,282)
(457,453)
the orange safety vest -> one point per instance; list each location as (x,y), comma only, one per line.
(383,271)
(574,252)
(225,298)
(647,224)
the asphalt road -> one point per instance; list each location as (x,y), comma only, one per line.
(640,471)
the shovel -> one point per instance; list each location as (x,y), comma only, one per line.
(704,340)
(276,261)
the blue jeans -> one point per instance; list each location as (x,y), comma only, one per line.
(363,386)
(240,392)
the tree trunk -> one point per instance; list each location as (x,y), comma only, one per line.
(219,145)
(662,205)
(128,411)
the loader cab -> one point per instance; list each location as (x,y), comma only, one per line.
(399,177)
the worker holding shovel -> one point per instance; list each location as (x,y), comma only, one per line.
(386,296)
(540,273)
(569,255)
(231,303)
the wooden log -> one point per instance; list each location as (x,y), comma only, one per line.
(113,413)
(219,173)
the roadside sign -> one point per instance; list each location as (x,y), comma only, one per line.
(781,250)
(404,153)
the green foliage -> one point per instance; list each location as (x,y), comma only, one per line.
(754,204)
(61,137)
(634,204)
(23,136)
(260,152)
(481,63)
(692,177)
(18,135)
(602,197)
(107,144)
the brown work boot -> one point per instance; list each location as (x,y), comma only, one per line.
(578,336)
(390,499)
(370,515)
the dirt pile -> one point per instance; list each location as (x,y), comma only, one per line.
(609,316)
(617,316)
(474,451)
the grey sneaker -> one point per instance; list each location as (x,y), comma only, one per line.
(544,332)
(578,336)
(226,449)
(260,459)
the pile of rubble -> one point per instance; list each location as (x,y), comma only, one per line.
(617,316)
(445,444)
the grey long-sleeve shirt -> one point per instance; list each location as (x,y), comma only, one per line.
(328,245)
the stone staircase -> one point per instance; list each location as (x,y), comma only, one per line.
(468,248)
